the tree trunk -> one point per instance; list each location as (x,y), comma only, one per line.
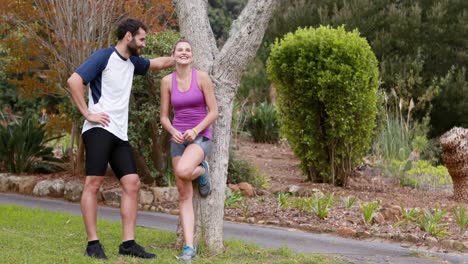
(142,168)
(455,155)
(225,68)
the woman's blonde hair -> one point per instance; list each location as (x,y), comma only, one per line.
(180,41)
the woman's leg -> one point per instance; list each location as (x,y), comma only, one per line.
(187,168)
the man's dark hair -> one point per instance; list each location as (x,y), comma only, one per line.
(129,25)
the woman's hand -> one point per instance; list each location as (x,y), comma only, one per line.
(178,137)
(190,135)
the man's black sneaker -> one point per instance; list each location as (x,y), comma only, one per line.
(95,251)
(135,251)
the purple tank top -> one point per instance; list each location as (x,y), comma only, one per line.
(189,106)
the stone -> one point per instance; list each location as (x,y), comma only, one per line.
(3,183)
(273,222)
(261,222)
(346,231)
(293,189)
(13,183)
(379,218)
(447,243)
(73,191)
(412,238)
(26,185)
(251,220)
(153,208)
(279,189)
(431,241)
(391,213)
(53,188)
(165,194)
(308,192)
(146,207)
(405,245)
(146,197)
(174,211)
(112,197)
(247,189)
(233,187)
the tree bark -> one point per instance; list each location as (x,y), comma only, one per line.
(225,68)
(455,155)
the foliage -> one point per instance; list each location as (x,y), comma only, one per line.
(460,217)
(239,118)
(240,170)
(283,200)
(429,222)
(322,205)
(408,215)
(326,81)
(233,200)
(368,210)
(26,242)
(255,86)
(415,41)
(221,14)
(348,201)
(23,148)
(262,123)
(424,174)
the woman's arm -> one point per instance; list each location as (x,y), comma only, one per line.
(165,109)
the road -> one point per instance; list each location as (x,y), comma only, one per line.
(355,251)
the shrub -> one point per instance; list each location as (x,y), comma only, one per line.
(368,210)
(23,148)
(461,218)
(242,171)
(326,81)
(262,123)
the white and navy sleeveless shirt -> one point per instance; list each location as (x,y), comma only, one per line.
(110,77)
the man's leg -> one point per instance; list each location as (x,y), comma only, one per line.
(89,205)
(129,205)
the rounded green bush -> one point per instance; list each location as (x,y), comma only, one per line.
(326,81)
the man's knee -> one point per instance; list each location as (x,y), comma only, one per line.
(131,183)
(92,184)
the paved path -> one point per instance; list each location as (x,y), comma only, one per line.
(352,250)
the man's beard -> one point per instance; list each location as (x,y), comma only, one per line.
(132,47)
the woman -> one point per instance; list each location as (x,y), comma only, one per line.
(190,93)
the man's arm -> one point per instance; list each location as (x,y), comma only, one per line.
(75,82)
(161,63)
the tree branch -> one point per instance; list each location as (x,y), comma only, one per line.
(246,31)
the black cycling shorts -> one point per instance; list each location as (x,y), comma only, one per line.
(103,147)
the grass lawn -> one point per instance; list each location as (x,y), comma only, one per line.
(38,236)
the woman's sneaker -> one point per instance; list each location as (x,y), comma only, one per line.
(188,254)
(95,251)
(204,181)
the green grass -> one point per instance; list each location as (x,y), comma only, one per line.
(38,236)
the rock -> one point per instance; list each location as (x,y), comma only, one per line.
(346,231)
(146,197)
(307,192)
(405,245)
(3,182)
(272,222)
(412,238)
(288,222)
(153,208)
(57,188)
(13,183)
(112,197)
(261,222)
(391,213)
(26,185)
(379,218)
(174,211)
(431,241)
(279,189)
(246,189)
(233,187)
(165,194)
(251,220)
(73,191)
(447,243)
(53,188)
(460,246)
(293,189)
(363,234)
(146,207)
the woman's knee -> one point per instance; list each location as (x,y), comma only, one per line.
(183,172)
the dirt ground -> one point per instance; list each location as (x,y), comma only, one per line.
(279,163)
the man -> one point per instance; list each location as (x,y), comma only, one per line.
(109,72)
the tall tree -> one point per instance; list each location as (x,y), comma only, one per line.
(225,68)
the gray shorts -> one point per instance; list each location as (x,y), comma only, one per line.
(203,142)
